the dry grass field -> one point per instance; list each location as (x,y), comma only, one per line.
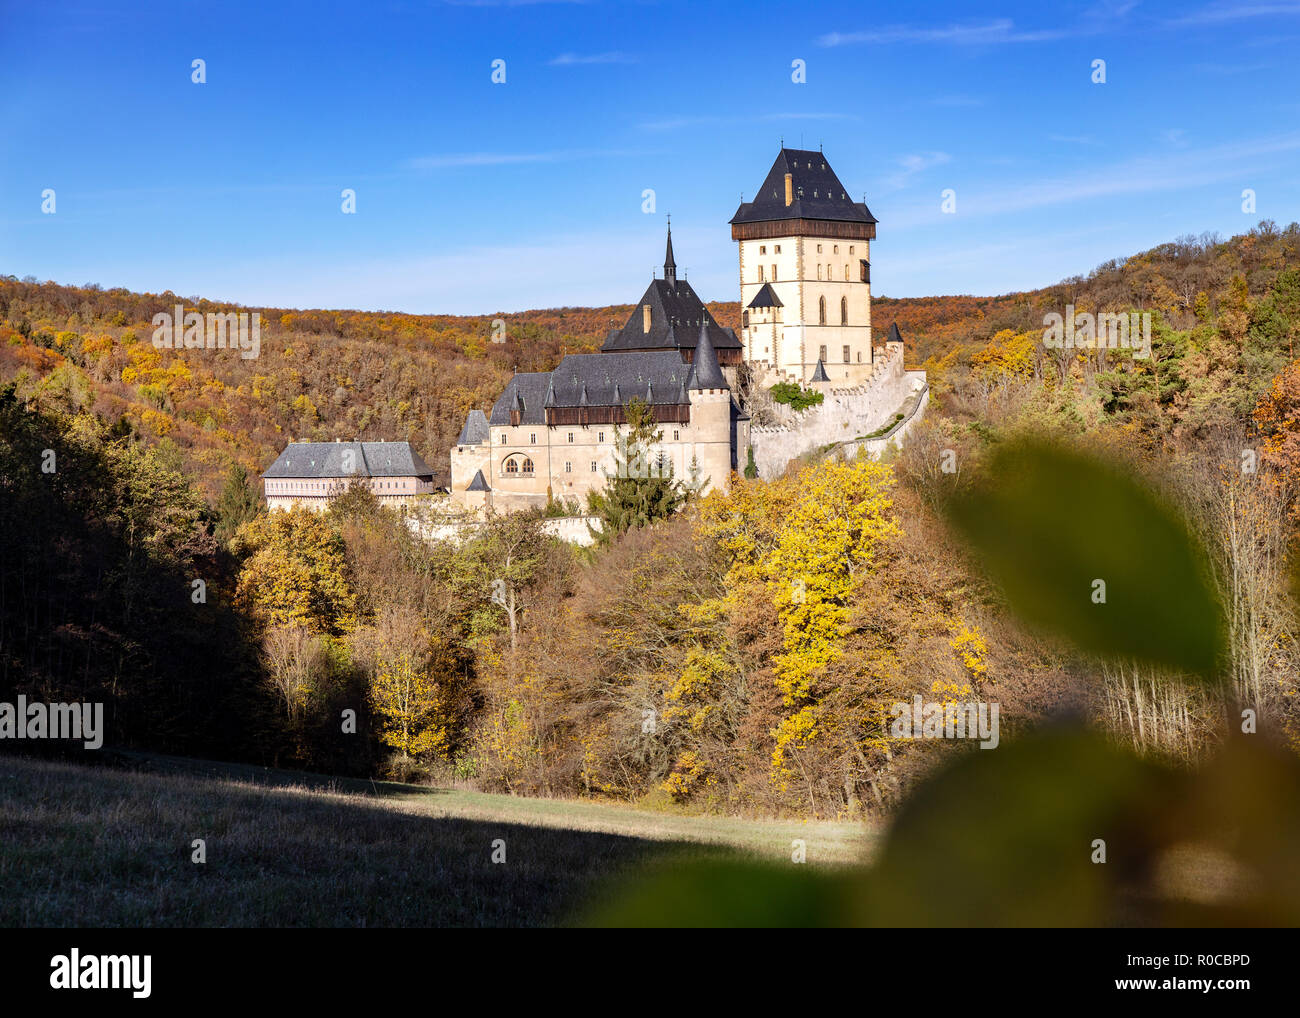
(111,846)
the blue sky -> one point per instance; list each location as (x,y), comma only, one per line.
(474,197)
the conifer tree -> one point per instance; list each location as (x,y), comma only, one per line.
(641,489)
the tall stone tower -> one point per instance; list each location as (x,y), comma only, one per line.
(805,272)
(712,442)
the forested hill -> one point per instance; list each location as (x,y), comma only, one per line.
(381,375)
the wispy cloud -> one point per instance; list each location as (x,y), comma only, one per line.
(575,59)
(985,33)
(911,165)
(1176,171)
(674,123)
(452,160)
(1224,13)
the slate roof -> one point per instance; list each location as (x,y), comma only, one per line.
(818,193)
(766,298)
(819,373)
(479,483)
(475,430)
(527,392)
(705,371)
(611,379)
(894,335)
(676,312)
(369,459)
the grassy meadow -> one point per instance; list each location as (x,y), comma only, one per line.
(111,846)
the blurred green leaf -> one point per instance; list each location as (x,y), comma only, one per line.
(1050,522)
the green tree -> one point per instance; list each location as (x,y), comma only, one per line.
(238,503)
(641,489)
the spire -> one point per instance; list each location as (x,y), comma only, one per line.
(705,370)
(670,266)
(819,373)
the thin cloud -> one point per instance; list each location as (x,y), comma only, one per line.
(675,123)
(454,160)
(988,33)
(913,164)
(577,59)
(1224,13)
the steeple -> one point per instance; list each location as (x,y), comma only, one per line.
(706,373)
(670,266)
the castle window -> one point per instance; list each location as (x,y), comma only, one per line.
(835,249)
(821,310)
(503,438)
(847,358)
(527,465)
(600,436)
(859,356)
(777,249)
(593,466)
(744,320)
(850,249)
(763,250)
(568,467)
(512,466)
(571,438)
(677,436)
(819,274)
(819,249)
(844,314)
(533,438)
(846,272)
(821,353)
(760,273)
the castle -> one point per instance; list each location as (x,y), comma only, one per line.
(805,287)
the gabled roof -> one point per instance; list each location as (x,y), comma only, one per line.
(475,430)
(817,193)
(675,315)
(612,379)
(766,298)
(705,371)
(368,459)
(819,373)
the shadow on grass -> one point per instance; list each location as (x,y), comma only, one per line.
(106,847)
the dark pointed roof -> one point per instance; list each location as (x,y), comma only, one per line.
(479,483)
(525,393)
(475,430)
(766,298)
(894,335)
(676,312)
(705,370)
(819,373)
(817,193)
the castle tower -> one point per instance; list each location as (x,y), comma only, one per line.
(711,416)
(805,272)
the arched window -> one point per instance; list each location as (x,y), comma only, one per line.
(844,311)
(821,310)
(512,466)
(527,465)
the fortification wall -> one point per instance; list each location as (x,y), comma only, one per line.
(843,416)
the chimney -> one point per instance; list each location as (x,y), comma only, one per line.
(789,189)
(645,318)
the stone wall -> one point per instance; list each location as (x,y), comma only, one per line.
(845,415)
(567,528)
